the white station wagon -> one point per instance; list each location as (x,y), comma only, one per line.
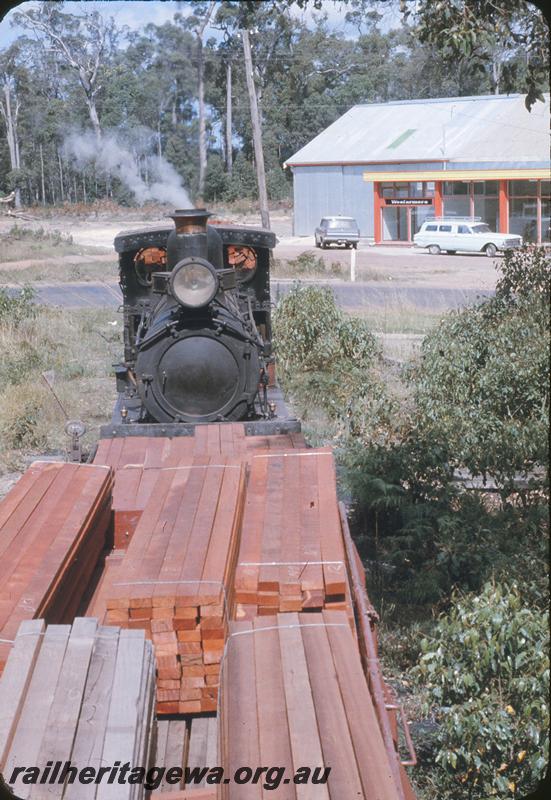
(450,234)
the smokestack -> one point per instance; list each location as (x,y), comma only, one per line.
(192,237)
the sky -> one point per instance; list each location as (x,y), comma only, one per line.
(137,13)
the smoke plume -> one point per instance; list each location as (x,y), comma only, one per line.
(129,163)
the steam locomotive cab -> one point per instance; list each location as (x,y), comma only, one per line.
(197,328)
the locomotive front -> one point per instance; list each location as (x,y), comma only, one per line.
(196,334)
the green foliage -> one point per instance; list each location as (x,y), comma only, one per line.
(147,82)
(424,534)
(324,354)
(526,272)
(487,32)
(308,263)
(305,323)
(38,235)
(486,672)
(14,308)
(482,382)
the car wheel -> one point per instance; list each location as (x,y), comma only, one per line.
(317,243)
(324,245)
(434,249)
(355,245)
(490,250)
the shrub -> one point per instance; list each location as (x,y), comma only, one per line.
(305,323)
(486,670)
(482,384)
(14,308)
(329,362)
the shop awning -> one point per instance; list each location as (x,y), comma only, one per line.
(459,175)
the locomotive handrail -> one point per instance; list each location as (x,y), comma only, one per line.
(372,661)
(412,761)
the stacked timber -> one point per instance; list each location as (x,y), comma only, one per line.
(54,523)
(190,745)
(176,579)
(292,555)
(293,694)
(137,461)
(226,439)
(171,750)
(82,694)
(189,794)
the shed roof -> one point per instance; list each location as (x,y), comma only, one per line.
(474,129)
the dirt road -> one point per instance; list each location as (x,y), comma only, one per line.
(400,267)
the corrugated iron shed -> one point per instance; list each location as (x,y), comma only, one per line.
(472,129)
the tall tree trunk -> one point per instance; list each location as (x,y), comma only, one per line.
(93,114)
(202,123)
(496,72)
(257,133)
(60,176)
(42,176)
(159,141)
(229,143)
(10,115)
(201,98)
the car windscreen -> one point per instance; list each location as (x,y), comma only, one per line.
(480,228)
(342,224)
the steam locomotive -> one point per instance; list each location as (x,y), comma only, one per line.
(197,329)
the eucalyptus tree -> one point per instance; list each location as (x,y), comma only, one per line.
(10,106)
(83,42)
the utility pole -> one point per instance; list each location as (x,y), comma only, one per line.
(257,133)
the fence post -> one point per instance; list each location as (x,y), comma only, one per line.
(352,264)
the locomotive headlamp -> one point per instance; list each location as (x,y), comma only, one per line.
(194,282)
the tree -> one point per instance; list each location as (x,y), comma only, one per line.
(9,110)
(82,42)
(198,22)
(480,29)
(481,385)
(486,671)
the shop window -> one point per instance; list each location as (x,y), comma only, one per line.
(487,208)
(523,188)
(485,188)
(545,220)
(457,206)
(456,187)
(545,190)
(523,218)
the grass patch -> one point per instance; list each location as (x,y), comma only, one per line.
(76,349)
(397,318)
(66,271)
(21,244)
(310,265)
